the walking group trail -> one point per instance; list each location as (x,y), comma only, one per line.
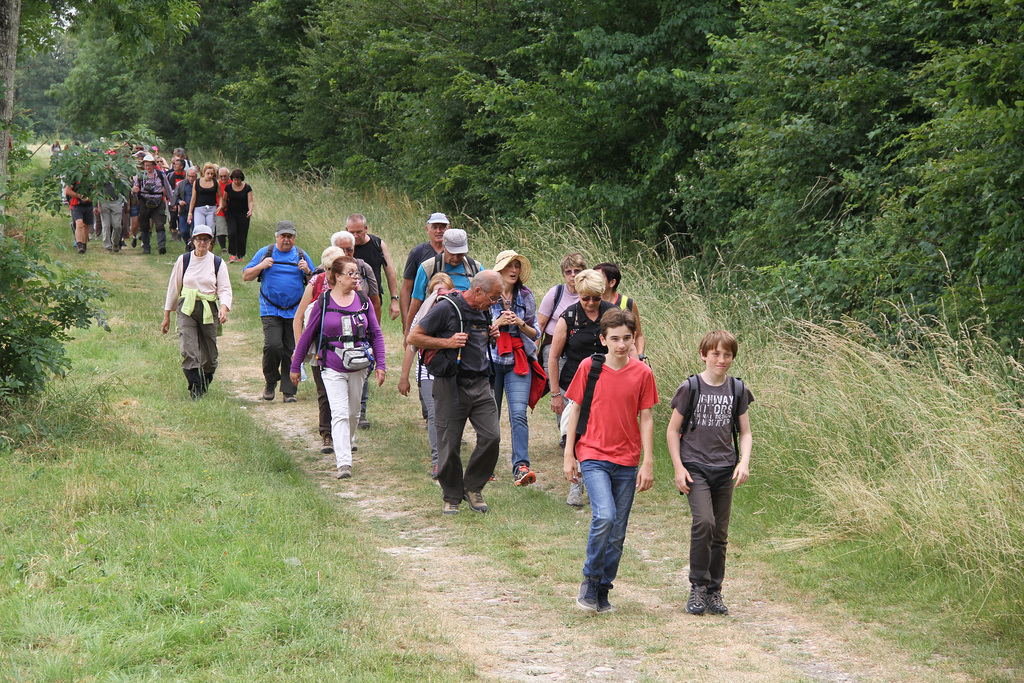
(505,632)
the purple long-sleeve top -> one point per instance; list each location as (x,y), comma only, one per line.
(332,328)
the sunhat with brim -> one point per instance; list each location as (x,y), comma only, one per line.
(508,256)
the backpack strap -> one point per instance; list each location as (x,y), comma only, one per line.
(693,384)
(625,303)
(187,258)
(559,291)
(736,384)
(596,364)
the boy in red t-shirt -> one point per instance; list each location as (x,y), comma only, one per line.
(708,466)
(609,451)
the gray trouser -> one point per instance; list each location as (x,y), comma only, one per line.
(455,401)
(110,216)
(198,341)
(427,401)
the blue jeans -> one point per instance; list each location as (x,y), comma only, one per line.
(611,488)
(517,389)
(184,228)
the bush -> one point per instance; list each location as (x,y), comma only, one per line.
(40,300)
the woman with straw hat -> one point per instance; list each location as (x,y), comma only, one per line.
(514,329)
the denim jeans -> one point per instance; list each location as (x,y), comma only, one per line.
(710,506)
(611,489)
(517,389)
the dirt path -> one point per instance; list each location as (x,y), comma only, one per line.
(513,635)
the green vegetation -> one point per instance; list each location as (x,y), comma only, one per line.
(887,484)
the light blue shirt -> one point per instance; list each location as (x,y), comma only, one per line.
(457,274)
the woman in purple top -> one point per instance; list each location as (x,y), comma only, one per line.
(348,322)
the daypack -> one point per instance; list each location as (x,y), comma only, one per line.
(441,364)
(436,265)
(736,385)
(305,278)
(358,336)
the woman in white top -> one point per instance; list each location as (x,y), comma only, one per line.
(200,291)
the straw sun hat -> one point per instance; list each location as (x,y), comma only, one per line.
(508,256)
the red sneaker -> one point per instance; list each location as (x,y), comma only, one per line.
(524,477)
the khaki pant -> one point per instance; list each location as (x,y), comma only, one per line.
(198,341)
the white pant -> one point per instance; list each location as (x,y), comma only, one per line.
(344,391)
(204,215)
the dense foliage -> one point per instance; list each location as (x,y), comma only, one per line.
(849,156)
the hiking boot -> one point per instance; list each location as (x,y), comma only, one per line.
(523,476)
(146,251)
(476,501)
(344,472)
(561,441)
(81,247)
(363,422)
(715,604)
(587,599)
(135,242)
(268,391)
(433,472)
(697,603)
(602,601)
(355,448)
(162,251)
(327,446)
(450,508)
(289,398)
(575,497)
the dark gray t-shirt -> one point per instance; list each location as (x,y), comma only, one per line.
(442,321)
(710,442)
(419,254)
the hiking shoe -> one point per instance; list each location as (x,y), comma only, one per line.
(523,476)
(355,448)
(268,391)
(715,604)
(575,497)
(327,445)
(476,501)
(135,242)
(162,250)
(289,398)
(587,599)
(561,441)
(344,472)
(146,251)
(433,472)
(697,603)
(450,508)
(602,601)
(363,422)
(81,247)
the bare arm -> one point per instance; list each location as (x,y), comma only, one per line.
(746,442)
(394,308)
(557,346)
(639,341)
(645,477)
(569,454)
(682,477)
(300,312)
(419,339)
(404,299)
(407,360)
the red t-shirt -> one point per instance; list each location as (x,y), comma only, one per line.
(613,431)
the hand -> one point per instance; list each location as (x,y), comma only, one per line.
(379,374)
(404,386)
(511,318)
(395,310)
(494,330)
(166,324)
(645,478)
(296,377)
(303,266)
(190,219)
(683,481)
(741,473)
(267,262)
(569,466)
(458,340)
(557,404)
(222,315)
(248,214)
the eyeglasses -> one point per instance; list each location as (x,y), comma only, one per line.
(202,238)
(354,274)
(572,271)
(287,237)
(590,299)
(442,227)
(494,299)
(349,250)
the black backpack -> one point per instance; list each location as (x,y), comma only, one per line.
(736,385)
(596,365)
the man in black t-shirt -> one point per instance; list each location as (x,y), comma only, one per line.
(374,251)
(436,225)
(459,325)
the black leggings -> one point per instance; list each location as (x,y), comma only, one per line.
(238,233)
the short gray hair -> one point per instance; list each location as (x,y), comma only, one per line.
(342,236)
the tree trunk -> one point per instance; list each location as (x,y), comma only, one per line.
(10,21)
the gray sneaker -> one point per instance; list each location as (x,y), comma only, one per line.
(344,472)
(602,601)
(715,604)
(587,598)
(575,497)
(476,501)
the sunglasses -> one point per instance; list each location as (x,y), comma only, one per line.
(590,299)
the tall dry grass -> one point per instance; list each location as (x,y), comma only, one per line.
(915,447)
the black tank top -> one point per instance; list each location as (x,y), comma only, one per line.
(582,339)
(206,196)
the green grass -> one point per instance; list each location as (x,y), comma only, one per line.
(154,538)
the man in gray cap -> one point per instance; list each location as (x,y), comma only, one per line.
(452,260)
(154,192)
(436,226)
(283,270)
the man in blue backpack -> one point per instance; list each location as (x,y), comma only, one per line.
(283,270)
(710,441)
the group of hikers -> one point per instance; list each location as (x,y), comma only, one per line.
(177,195)
(475,337)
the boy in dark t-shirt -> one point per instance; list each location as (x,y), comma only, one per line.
(708,467)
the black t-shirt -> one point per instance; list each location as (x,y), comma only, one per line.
(710,441)
(419,254)
(373,253)
(582,339)
(238,201)
(207,196)
(443,321)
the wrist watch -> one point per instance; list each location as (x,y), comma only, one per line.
(394,298)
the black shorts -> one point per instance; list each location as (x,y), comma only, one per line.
(82,213)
